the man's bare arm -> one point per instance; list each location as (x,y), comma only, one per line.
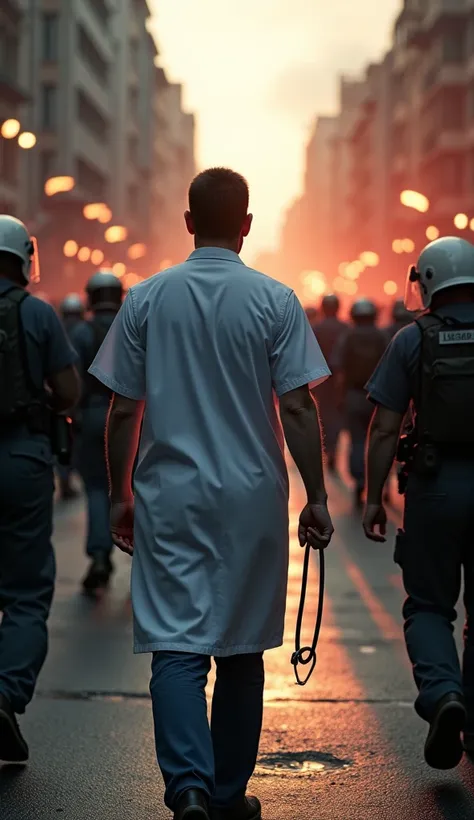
(65,389)
(300,420)
(122,437)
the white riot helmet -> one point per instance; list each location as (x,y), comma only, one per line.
(447,262)
(15,239)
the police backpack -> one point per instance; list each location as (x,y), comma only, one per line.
(94,387)
(17,392)
(446,381)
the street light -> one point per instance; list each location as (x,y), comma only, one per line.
(10,129)
(397,246)
(27,140)
(70,248)
(408,245)
(461,221)
(354,269)
(415,200)
(432,233)
(58,185)
(116,233)
(97,210)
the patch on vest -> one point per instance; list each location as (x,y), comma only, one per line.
(456,337)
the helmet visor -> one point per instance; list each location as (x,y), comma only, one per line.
(413,299)
(34,261)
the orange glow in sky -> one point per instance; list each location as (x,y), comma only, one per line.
(256,73)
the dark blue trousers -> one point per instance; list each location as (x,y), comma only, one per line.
(359,412)
(219,759)
(91,463)
(435,549)
(27,566)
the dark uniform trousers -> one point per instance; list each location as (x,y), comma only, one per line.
(359,412)
(434,550)
(91,463)
(27,564)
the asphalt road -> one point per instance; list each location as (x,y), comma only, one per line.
(346,747)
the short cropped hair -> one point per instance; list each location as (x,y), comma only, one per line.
(218,202)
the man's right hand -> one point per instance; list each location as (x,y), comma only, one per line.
(315,527)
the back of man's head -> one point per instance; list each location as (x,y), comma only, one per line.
(11,267)
(218,205)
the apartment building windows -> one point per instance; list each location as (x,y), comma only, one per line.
(9,161)
(454,43)
(92,57)
(453,175)
(49,102)
(47,164)
(92,182)
(50,37)
(90,117)
(8,55)
(453,109)
(101,11)
(133,150)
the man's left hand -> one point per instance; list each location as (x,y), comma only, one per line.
(122,515)
(375,522)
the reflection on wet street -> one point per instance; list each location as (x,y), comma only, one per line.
(346,746)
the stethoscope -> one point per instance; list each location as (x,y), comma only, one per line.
(302,656)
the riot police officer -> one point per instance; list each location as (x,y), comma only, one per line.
(37,380)
(71,310)
(104,294)
(431,364)
(329,332)
(401,317)
(353,362)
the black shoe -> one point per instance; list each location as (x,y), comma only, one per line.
(192,804)
(247,809)
(98,574)
(13,747)
(443,747)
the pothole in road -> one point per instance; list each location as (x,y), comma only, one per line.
(299,764)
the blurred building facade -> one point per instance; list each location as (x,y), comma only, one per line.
(12,95)
(407,124)
(89,73)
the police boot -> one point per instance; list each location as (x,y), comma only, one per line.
(193,804)
(98,574)
(247,809)
(13,747)
(443,747)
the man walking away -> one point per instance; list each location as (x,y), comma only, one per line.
(329,332)
(104,297)
(205,345)
(37,379)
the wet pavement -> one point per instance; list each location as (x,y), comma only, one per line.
(346,747)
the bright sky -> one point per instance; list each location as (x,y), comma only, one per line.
(256,72)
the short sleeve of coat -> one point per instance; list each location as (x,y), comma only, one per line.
(296,358)
(120,362)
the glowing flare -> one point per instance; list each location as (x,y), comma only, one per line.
(370,259)
(10,129)
(97,257)
(116,233)
(390,288)
(70,248)
(415,200)
(119,269)
(432,233)
(137,251)
(461,221)
(84,254)
(397,246)
(408,245)
(27,140)
(58,185)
